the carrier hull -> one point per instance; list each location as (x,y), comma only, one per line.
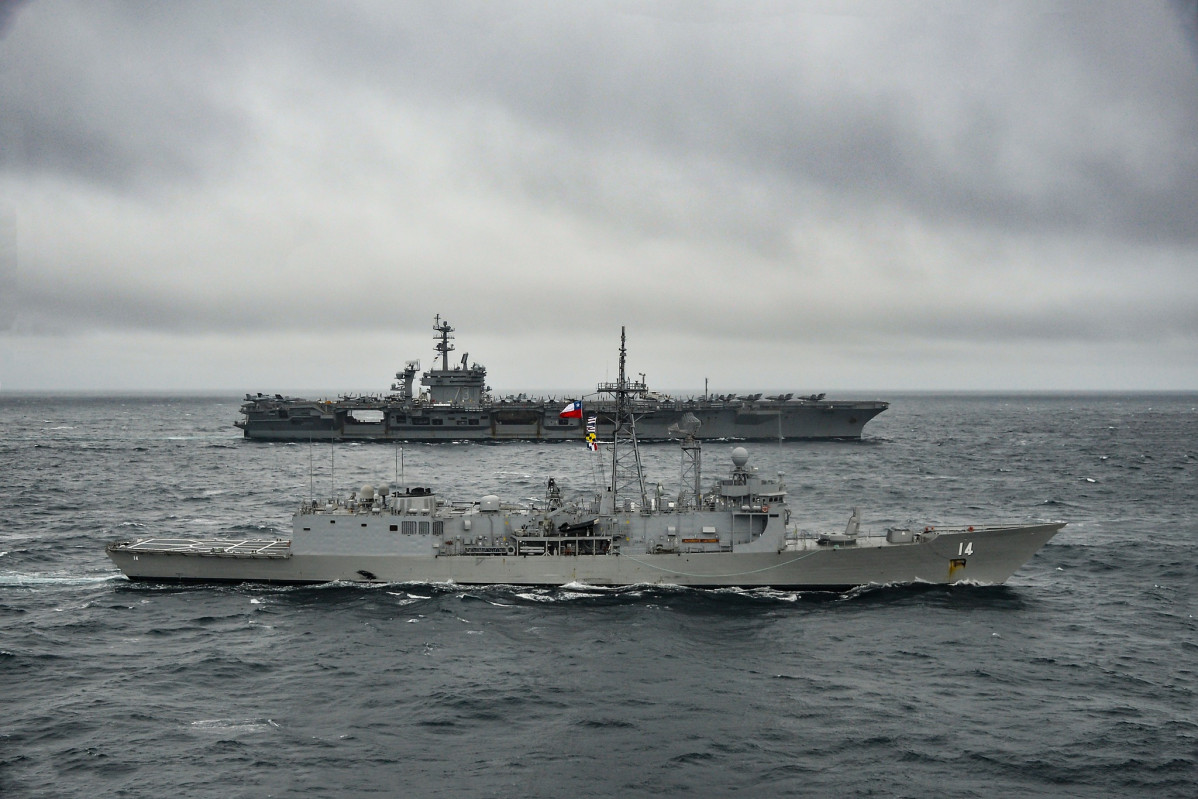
(457,405)
(288,419)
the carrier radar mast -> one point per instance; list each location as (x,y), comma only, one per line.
(443,346)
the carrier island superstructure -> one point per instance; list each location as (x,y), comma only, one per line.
(739,532)
(456,404)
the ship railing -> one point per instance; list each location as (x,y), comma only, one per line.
(326,506)
(245,548)
(630,386)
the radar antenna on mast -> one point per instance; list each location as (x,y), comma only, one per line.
(443,346)
(690,494)
(626,473)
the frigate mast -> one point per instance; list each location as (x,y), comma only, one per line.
(690,494)
(626,473)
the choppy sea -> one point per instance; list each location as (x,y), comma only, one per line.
(1075,679)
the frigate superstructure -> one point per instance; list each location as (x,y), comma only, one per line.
(454,403)
(739,532)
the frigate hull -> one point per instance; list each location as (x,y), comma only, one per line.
(984,555)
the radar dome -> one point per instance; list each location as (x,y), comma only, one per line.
(740,456)
(367,492)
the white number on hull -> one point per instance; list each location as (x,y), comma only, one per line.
(965,548)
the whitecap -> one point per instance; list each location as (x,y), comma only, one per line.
(236,725)
(44,579)
(575,595)
(536,597)
(403,599)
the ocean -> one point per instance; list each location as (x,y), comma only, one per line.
(1074,679)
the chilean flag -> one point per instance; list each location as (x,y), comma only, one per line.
(572,411)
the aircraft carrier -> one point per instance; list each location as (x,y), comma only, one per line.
(456,404)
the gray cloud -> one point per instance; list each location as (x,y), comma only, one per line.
(829,172)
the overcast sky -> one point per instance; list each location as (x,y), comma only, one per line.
(820,196)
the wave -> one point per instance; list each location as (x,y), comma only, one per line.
(251,725)
(12,579)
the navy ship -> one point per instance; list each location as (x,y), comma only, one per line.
(456,404)
(739,532)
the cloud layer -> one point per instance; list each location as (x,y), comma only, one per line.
(857,195)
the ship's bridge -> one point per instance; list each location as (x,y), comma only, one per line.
(461,385)
(464,385)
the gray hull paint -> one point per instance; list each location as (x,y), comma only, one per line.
(995,554)
(457,405)
(738,533)
(303,420)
